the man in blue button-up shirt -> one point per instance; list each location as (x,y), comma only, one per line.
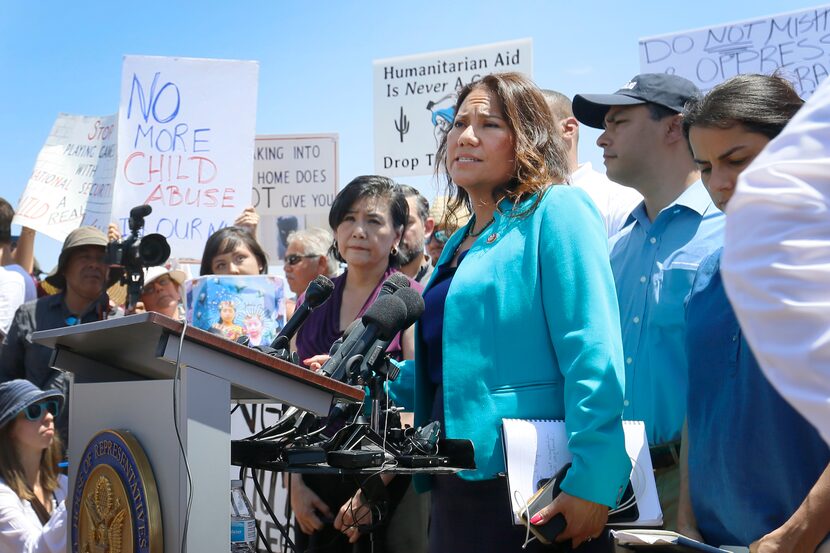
(655,256)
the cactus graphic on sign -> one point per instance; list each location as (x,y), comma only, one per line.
(402,124)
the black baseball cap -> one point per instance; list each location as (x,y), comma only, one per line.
(666,90)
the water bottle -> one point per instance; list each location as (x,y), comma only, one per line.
(243,523)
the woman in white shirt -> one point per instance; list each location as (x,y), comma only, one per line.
(32,493)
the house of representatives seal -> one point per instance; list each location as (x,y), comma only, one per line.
(115,504)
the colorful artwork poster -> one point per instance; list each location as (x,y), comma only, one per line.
(234,306)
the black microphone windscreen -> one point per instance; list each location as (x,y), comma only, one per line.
(318,291)
(414,304)
(140,211)
(388,314)
(393,283)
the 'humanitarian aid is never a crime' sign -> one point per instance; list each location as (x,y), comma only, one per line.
(414,99)
(796,44)
(72,181)
(186,132)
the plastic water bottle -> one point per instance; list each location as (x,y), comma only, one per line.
(243,523)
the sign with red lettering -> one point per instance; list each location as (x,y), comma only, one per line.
(186,132)
(794,44)
(71,184)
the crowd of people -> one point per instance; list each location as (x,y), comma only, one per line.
(552,291)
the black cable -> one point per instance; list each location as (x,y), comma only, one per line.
(177,378)
(268,508)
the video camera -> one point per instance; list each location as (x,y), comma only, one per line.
(134,253)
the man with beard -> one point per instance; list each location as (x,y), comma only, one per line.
(416,264)
(82,277)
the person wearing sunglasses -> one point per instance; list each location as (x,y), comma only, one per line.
(32,493)
(445,225)
(82,278)
(307,256)
(162,292)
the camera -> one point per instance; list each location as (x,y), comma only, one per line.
(134,253)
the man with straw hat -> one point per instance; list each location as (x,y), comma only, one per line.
(82,277)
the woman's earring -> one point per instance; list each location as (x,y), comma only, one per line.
(394,250)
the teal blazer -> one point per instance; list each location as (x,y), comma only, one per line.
(532,331)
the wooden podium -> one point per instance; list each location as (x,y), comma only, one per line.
(122,374)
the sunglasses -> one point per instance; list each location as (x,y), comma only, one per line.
(293,259)
(36,410)
(439,236)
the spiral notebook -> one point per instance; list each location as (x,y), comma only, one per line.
(534,450)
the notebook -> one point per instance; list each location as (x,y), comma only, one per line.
(534,450)
(658,541)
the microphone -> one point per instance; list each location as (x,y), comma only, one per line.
(395,282)
(382,320)
(316,294)
(374,360)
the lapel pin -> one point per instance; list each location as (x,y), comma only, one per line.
(492,238)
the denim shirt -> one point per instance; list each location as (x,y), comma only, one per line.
(654,264)
(752,457)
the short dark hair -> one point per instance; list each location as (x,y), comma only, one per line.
(540,153)
(225,240)
(6,216)
(371,186)
(561,107)
(761,104)
(658,112)
(423,204)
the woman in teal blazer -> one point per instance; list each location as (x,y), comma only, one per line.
(530,325)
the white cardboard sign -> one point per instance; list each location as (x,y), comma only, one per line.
(414,99)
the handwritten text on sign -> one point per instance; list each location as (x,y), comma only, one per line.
(415,97)
(71,184)
(295,175)
(796,44)
(186,131)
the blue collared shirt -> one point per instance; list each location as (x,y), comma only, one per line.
(654,264)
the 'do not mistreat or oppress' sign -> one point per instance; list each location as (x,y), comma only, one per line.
(415,97)
(186,132)
(796,44)
(295,174)
(72,181)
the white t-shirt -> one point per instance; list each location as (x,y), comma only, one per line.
(614,201)
(20,528)
(12,294)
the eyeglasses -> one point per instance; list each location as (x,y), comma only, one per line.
(36,410)
(440,236)
(293,259)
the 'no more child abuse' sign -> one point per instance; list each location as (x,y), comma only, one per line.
(415,97)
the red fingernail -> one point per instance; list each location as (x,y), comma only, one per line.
(537,518)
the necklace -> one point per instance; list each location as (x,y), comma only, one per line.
(482,229)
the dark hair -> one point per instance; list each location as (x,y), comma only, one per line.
(6,216)
(561,107)
(371,186)
(761,104)
(225,240)
(11,469)
(423,204)
(541,154)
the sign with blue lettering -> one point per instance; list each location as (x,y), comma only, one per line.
(186,132)
(796,44)
(415,99)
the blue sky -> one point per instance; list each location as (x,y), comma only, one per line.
(315,57)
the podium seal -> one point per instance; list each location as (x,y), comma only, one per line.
(115,503)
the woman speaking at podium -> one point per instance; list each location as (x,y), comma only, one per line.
(521,321)
(32,493)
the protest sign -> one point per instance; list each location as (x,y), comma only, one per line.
(295,174)
(797,44)
(415,97)
(71,184)
(185,146)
